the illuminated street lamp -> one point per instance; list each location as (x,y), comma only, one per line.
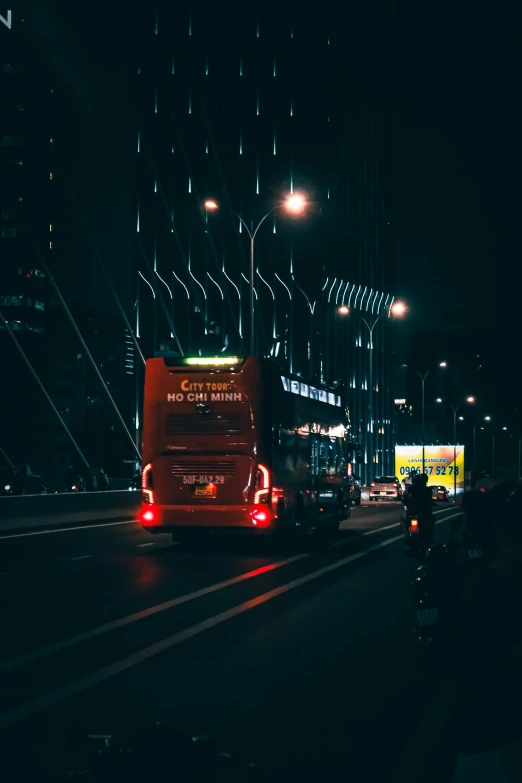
(487,418)
(423,377)
(397,310)
(295,205)
(470,399)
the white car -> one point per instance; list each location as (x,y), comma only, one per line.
(385,488)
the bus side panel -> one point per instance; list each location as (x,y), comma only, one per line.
(156,380)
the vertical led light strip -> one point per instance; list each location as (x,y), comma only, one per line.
(216,284)
(275,149)
(192,276)
(139,139)
(240,142)
(245,278)
(182,283)
(173,66)
(240,326)
(155,100)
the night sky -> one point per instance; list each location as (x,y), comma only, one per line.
(458,167)
(457,159)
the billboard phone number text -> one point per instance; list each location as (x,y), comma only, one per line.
(437,470)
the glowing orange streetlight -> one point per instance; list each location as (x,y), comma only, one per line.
(343,310)
(398,309)
(295,204)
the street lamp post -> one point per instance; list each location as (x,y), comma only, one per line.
(474,453)
(423,377)
(455,408)
(492,434)
(294,204)
(397,310)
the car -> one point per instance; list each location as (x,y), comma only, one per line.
(355,490)
(438,492)
(385,488)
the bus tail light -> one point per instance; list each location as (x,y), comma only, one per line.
(148,515)
(262,492)
(260,516)
(147,484)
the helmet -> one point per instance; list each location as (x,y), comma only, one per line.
(424,478)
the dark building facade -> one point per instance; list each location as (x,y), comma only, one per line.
(246,108)
(53,222)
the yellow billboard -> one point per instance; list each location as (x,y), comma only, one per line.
(444,465)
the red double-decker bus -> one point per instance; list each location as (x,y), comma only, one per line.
(233,443)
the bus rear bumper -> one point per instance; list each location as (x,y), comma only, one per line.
(165,519)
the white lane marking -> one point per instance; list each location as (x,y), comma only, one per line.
(63,644)
(72,688)
(67,529)
(149,543)
(15,663)
(81,557)
(389,527)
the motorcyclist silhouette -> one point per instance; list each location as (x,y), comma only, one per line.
(418,500)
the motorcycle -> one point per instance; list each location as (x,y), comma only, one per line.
(416,533)
(77,485)
(436,587)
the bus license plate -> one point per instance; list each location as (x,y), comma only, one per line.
(427,617)
(205,492)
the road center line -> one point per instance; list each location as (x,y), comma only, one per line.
(92,633)
(63,644)
(67,529)
(72,688)
(81,557)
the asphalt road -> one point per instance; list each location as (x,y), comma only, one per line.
(304,662)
